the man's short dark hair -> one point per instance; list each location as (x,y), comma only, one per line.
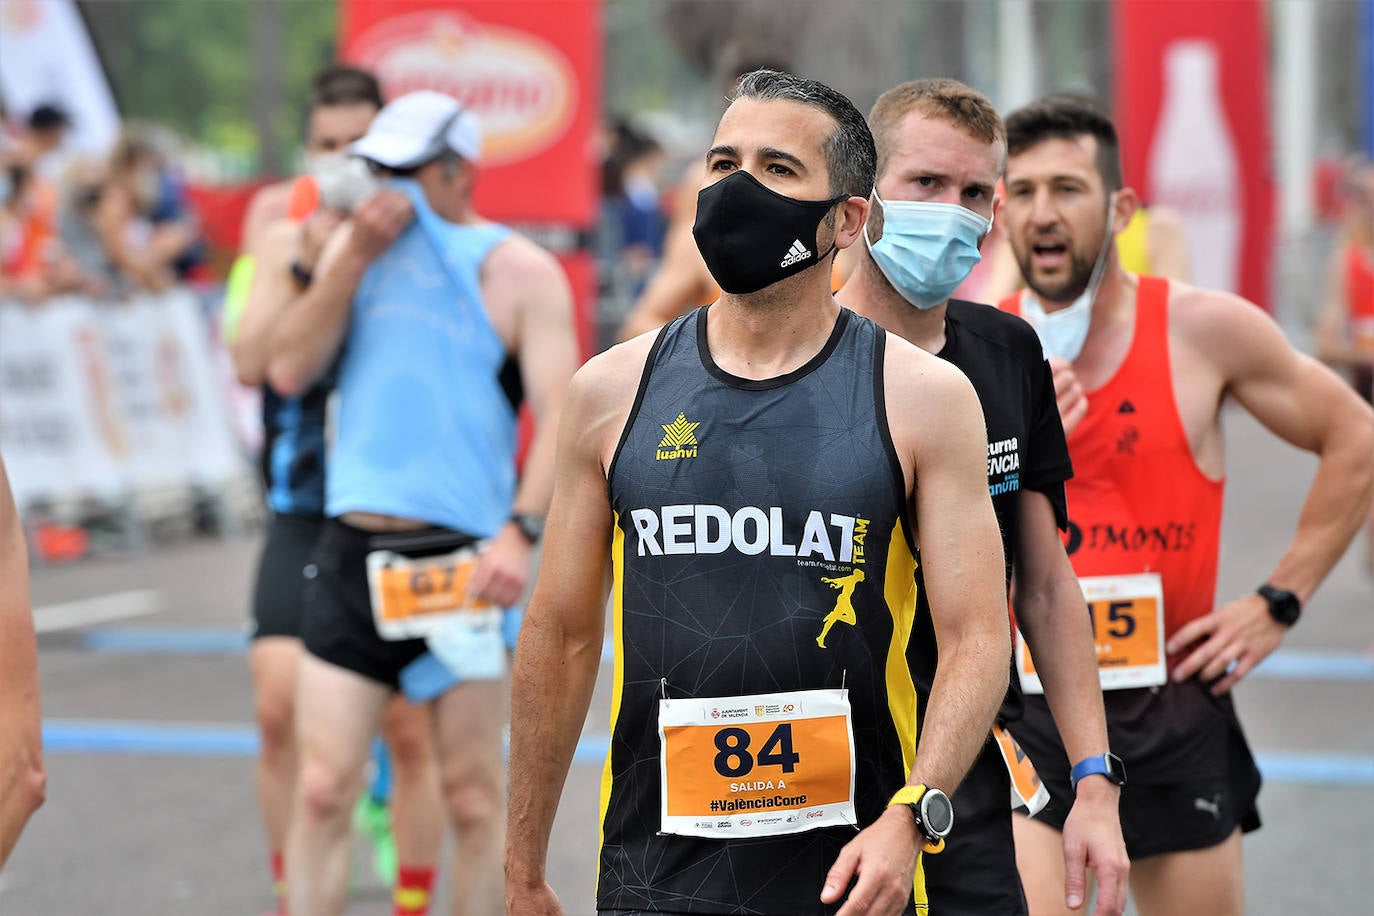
(1067,117)
(850,156)
(340,85)
(48,117)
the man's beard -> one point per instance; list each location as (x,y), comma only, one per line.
(1071,287)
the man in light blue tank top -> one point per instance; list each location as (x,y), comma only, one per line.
(440,322)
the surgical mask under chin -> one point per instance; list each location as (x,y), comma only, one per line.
(927,249)
(1062,333)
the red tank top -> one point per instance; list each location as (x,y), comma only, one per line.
(1359,283)
(1137,500)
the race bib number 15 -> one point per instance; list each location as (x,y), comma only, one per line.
(1127,614)
(759,765)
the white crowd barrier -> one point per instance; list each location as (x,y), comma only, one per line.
(108,402)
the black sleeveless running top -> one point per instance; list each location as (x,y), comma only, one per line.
(733,500)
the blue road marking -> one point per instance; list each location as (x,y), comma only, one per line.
(1286,664)
(68,736)
(176,739)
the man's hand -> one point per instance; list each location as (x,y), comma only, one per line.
(1073,403)
(1092,839)
(378,221)
(526,900)
(503,568)
(315,232)
(883,857)
(1242,633)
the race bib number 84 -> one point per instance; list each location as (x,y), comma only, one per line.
(759,765)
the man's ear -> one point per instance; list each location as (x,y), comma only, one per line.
(1127,202)
(850,221)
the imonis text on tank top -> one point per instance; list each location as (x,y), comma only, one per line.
(1004,466)
(1170,537)
(708,529)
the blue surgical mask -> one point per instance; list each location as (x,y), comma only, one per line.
(927,249)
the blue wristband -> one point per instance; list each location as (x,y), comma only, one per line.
(1108,765)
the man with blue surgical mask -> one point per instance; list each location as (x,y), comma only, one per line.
(941,148)
(440,322)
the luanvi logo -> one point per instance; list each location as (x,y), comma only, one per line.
(798,252)
(679,440)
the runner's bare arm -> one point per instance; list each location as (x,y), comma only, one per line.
(680,284)
(1167,245)
(1050,612)
(938,430)
(308,337)
(1308,406)
(961,556)
(559,652)
(271,290)
(23,784)
(523,281)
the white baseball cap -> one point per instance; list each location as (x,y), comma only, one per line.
(415,128)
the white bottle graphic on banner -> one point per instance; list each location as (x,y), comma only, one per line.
(1193,166)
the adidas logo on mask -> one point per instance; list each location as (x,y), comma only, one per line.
(798,252)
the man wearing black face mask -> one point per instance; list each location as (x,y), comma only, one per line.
(759,509)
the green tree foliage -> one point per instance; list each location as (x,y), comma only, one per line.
(194,65)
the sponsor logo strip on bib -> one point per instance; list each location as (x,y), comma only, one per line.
(1127,614)
(755,766)
(1027,791)
(413,598)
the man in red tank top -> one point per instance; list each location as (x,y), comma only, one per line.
(1142,365)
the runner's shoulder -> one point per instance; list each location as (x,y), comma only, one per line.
(920,382)
(1215,321)
(604,389)
(1001,330)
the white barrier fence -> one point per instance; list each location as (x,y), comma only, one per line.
(111,403)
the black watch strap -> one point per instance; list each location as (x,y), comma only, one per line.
(1284,606)
(303,275)
(530,525)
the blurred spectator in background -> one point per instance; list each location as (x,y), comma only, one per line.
(33,263)
(632,219)
(143,224)
(1345,329)
(38,145)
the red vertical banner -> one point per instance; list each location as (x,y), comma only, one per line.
(531,69)
(1192,109)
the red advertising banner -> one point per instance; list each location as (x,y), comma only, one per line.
(530,68)
(1192,109)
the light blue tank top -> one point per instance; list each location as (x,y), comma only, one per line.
(425,429)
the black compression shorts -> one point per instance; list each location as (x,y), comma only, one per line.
(279,595)
(338,626)
(1191,779)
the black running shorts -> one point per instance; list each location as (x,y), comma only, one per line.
(976,873)
(338,626)
(1191,779)
(279,596)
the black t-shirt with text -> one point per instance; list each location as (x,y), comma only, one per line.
(1001,355)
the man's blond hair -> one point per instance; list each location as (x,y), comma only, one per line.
(950,100)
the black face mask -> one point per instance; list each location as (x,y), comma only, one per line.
(752,237)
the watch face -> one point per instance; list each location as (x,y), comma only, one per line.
(1116,770)
(937,813)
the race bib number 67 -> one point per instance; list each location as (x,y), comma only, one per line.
(759,765)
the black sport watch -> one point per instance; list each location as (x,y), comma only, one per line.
(1284,606)
(933,812)
(530,525)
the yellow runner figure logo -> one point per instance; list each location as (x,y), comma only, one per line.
(844,603)
(679,439)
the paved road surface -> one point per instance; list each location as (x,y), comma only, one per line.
(147,702)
